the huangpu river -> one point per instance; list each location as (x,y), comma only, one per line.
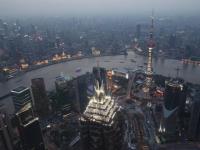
(166,67)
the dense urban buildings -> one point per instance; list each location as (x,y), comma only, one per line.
(78,77)
(31,45)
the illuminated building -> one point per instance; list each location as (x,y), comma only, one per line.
(56,57)
(101,123)
(40,99)
(64,56)
(43,62)
(149,71)
(23,64)
(95,52)
(21,96)
(79,54)
(29,129)
(120,73)
(174,103)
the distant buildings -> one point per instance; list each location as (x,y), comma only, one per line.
(101,123)
(21,96)
(40,99)
(95,52)
(29,129)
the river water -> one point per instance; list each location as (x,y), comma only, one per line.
(161,66)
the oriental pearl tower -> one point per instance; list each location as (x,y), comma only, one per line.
(151,46)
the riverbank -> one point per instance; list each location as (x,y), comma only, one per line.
(35,67)
(166,67)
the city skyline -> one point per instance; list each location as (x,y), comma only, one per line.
(99,75)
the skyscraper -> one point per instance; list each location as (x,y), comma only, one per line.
(101,123)
(194,124)
(63,87)
(29,129)
(40,99)
(21,96)
(5,138)
(174,102)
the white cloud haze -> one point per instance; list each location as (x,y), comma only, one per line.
(95,7)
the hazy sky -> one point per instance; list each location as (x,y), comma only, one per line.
(96,7)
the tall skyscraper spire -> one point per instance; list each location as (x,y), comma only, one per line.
(152,25)
(102,122)
(151,45)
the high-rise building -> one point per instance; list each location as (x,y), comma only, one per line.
(5,137)
(21,96)
(61,84)
(138,31)
(102,123)
(174,103)
(63,87)
(194,124)
(29,129)
(40,99)
(81,90)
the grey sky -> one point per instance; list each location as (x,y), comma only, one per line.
(96,7)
